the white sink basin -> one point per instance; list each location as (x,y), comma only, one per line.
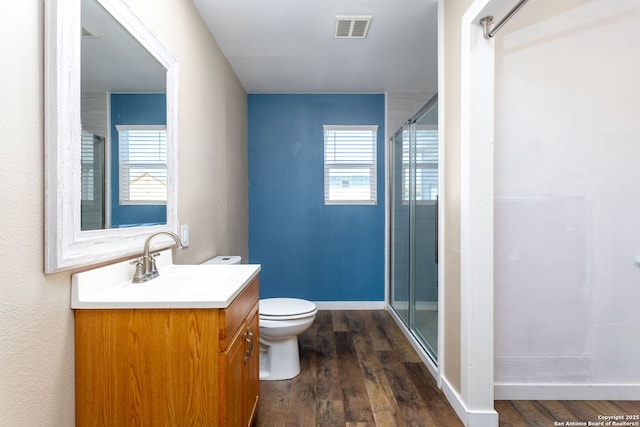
(178,286)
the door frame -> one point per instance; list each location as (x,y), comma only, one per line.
(477,216)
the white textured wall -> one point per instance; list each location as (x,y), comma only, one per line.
(567,201)
(36,324)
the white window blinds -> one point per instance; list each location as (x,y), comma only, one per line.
(142,164)
(350,164)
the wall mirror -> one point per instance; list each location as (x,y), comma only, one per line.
(110,133)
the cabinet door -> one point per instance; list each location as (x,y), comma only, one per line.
(252,367)
(232,367)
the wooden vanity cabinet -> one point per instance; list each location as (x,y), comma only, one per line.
(172,367)
(240,362)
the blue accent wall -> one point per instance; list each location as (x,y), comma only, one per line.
(309,250)
(134,109)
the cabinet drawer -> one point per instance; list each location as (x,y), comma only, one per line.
(233,316)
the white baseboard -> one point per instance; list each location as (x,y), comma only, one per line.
(470,418)
(517,391)
(454,399)
(350,305)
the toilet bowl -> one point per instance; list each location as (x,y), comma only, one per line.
(281,321)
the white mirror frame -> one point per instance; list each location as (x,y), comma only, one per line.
(66,246)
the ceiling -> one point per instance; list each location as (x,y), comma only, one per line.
(288,46)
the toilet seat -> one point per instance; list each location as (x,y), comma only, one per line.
(286,308)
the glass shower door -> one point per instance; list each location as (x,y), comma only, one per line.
(414,226)
(424,321)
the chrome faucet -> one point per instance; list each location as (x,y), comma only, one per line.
(146,264)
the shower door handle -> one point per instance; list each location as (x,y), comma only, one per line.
(435,252)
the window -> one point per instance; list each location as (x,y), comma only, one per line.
(350,165)
(426,165)
(142,164)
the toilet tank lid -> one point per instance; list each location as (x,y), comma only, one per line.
(285,306)
(224,259)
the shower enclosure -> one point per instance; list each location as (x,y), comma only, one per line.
(414,226)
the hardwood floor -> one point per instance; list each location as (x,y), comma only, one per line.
(545,413)
(358,370)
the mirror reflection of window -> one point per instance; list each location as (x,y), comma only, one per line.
(143,165)
(138,155)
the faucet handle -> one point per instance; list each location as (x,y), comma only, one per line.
(153,269)
(139,275)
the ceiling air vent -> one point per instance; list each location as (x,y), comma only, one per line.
(352,27)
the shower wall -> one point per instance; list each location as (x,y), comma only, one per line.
(567,205)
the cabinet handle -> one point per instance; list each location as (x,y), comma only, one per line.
(248,338)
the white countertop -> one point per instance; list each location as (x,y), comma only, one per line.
(177,286)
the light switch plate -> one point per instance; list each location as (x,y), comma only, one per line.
(184,235)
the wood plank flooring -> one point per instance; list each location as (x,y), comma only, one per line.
(358,370)
(543,413)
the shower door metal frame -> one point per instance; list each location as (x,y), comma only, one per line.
(405,128)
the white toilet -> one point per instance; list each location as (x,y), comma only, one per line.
(281,321)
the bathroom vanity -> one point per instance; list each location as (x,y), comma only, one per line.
(192,359)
